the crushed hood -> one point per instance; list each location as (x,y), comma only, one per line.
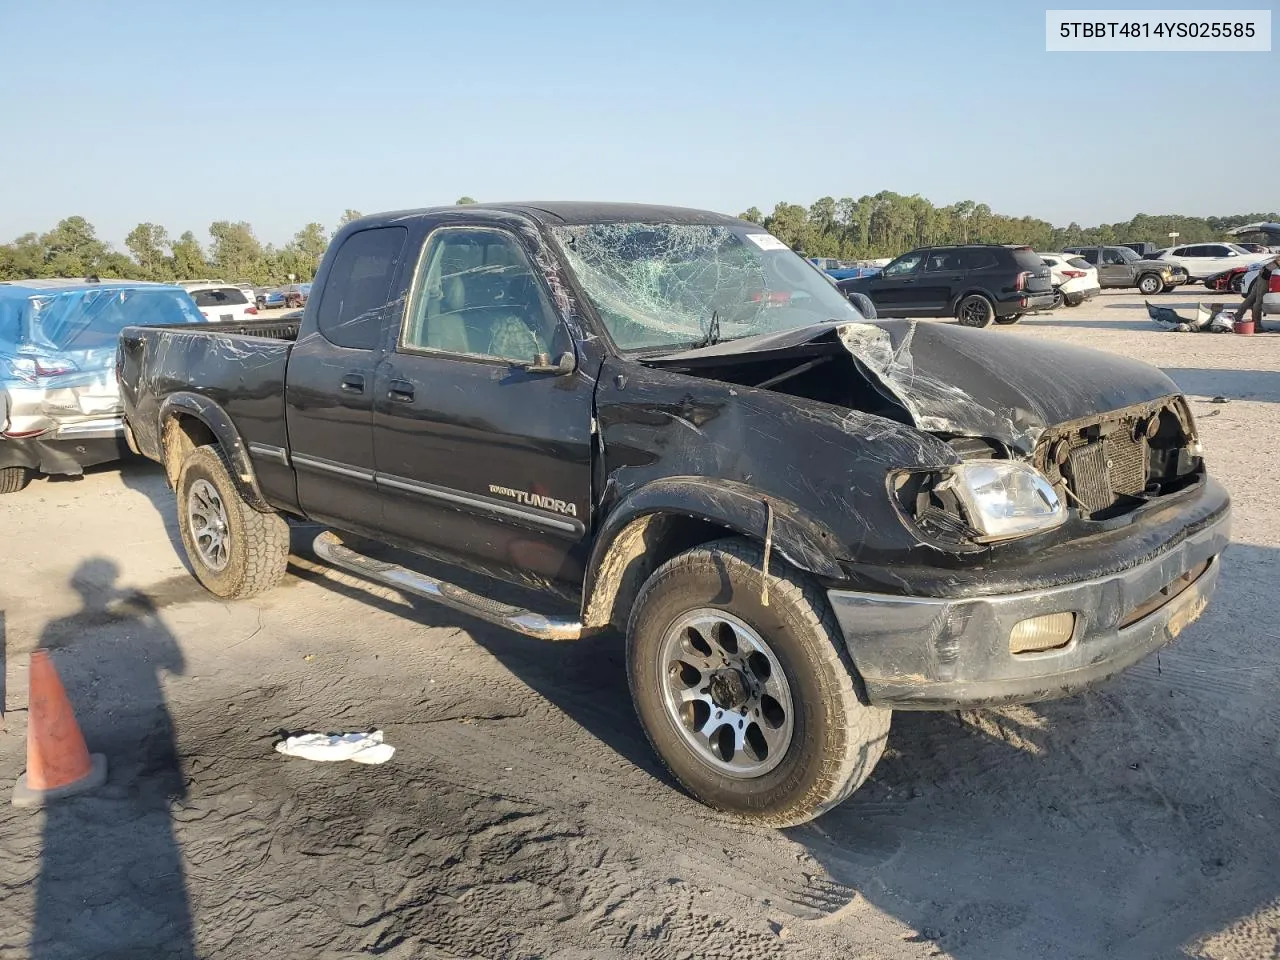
(953,380)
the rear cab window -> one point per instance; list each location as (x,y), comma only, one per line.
(358,288)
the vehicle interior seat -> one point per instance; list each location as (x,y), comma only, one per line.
(446,330)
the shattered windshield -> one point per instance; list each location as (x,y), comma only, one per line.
(675,285)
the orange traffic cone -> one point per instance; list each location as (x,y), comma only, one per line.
(58,763)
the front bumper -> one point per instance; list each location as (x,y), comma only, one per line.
(922,653)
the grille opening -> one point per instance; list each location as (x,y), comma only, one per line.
(1113,465)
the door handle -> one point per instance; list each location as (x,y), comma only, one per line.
(401,391)
(353,383)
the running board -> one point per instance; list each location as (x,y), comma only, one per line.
(331,549)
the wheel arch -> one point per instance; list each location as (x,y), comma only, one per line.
(189,420)
(969,292)
(665,518)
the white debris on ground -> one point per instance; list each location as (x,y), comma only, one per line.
(357,747)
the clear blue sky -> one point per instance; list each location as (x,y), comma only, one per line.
(280,112)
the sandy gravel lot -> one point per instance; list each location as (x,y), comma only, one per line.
(523,815)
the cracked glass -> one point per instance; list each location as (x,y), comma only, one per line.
(477,295)
(673,285)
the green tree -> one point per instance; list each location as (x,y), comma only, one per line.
(148,242)
(463,201)
(236,252)
(188,261)
(72,248)
(348,215)
(301,256)
(24,259)
(752,214)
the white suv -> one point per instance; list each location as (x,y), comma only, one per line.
(1074,278)
(223,302)
(1202,260)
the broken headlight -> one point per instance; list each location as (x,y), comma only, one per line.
(981,501)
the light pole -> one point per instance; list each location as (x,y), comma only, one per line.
(1173,238)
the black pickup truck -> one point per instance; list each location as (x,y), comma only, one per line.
(666,421)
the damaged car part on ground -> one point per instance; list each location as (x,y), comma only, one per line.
(665,421)
(59,402)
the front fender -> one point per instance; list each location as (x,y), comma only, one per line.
(219,424)
(644,529)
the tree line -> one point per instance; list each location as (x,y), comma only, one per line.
(72,249)
(883,225)
(888,224)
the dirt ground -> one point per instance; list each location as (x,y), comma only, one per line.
(523,814)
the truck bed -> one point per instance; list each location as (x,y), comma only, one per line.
(238,366)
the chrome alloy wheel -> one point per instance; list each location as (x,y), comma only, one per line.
(725,692)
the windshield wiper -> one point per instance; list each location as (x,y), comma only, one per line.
(712,336)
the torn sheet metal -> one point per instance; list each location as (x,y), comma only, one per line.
(955,381)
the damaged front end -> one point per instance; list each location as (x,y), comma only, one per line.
(1042,432)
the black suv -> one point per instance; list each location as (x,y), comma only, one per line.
(975,283)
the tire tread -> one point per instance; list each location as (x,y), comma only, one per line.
(860,740)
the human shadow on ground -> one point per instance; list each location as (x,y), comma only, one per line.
(111,878)
(1263,385)
(1130,821)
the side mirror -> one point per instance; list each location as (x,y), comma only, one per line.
(566,364)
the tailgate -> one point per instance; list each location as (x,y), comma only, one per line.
(1039,274)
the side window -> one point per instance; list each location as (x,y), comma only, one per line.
(1112,256)
(1218,251)
(907,263)
(942,260)
(1180,252)
(1090,256)
(979,260)
(477,294)
(358,287)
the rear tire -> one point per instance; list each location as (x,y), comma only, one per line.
(975,310)
(234,550)
(1059,300)
(13,479)
(1149,284)
(802,740)
(1012,318)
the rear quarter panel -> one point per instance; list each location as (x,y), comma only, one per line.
(244,375)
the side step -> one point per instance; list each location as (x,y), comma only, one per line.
(331,549)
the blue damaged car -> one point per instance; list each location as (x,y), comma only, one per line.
(59,404)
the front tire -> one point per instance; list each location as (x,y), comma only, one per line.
(752,708)
(1149,284)
(234,550)
(975,310)
(14,479)
(1010,319)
